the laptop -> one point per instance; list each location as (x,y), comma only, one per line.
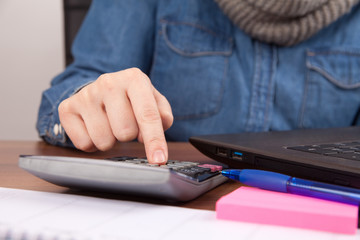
(325,155)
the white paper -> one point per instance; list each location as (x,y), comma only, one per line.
(30,215)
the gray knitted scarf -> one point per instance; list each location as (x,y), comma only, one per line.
(284,22)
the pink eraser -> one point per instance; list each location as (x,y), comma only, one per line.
(267,207)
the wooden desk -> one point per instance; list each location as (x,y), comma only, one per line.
(13,177)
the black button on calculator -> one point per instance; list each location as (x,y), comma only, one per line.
(190,169)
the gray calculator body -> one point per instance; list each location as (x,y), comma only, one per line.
(118,176)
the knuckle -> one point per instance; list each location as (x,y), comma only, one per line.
(105,145)
(135,72)
(149,115)
(103,138)
(155,142)
(127,134)
(64,107)
(85,146)
(86,95)
(106,79)
(110,83)
(136,75)
(168,119)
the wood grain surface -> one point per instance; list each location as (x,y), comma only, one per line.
(12,176)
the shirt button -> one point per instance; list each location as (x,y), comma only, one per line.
(56,129)
(60,128)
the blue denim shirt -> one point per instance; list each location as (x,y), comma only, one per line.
(216,78)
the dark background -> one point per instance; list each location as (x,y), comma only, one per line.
(74,13)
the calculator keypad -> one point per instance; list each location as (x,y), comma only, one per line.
(193,170)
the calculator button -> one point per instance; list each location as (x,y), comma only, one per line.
(202,169)
(198,172)
(130,161)
(152,165)
(142,159)
(351,156)
(172,162)
(188,172)
(214,168)
(205,176)
(189,163)
(164,166)
(186,164)
(121,158)
(175,166)
(136,161)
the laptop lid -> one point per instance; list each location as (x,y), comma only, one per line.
(277,151)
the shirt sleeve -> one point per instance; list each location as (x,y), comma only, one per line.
(115,35)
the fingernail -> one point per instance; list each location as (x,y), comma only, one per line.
(158,156)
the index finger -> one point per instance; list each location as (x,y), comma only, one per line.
(148,118)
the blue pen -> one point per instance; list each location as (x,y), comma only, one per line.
(284,183)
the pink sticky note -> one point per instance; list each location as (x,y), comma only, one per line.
(267,207)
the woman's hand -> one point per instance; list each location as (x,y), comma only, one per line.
(119,106)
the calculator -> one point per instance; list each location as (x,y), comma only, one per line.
(176,180)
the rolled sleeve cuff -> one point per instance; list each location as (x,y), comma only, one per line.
(48,124)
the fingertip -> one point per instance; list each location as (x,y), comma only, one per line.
(167,120)
(85,145)
(158,157)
